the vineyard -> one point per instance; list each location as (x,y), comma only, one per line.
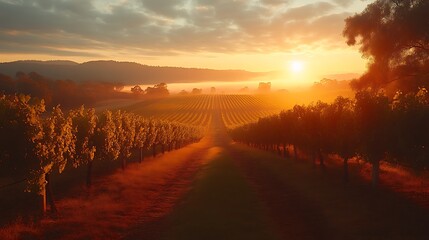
(52,142)
(368,127)
(197,110)
(36,144)
(225,177)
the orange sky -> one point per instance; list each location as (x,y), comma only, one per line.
(254,35)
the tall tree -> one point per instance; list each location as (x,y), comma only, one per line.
(394,36)
(411,129)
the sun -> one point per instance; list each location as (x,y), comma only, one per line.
(296,66)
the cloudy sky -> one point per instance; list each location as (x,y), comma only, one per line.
(256,35)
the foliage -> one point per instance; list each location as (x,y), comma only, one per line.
(21,129)
(55,147)
(34,145)
(158,90)
(137,90)
(370,126)
(402,59)
(67,93)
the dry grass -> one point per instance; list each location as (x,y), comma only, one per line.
(18,230)
(404,181)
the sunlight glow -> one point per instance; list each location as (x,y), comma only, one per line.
(296,66)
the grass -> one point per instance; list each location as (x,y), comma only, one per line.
(221,205)
(350,211)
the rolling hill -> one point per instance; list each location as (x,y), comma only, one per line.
(124,72)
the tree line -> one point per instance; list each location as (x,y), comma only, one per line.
(371,126)
(34,142)
(69,94)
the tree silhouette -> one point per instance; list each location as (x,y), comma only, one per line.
(158,90)
(137,90)
(410,129)
(394,36)
(341,129)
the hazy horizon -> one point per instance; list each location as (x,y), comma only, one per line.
(301,40)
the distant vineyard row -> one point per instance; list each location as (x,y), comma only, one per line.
(370,127)
(197,110)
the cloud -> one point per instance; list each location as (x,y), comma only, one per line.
(308,12)
(344,3)
(143,26)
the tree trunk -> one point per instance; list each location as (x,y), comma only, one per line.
(284,150)
(89,174)
(43,199)
(141,155)
(375,172)
(124,163)
(313,156)
(321,159)
(49,195)
(346,169)
(295,152)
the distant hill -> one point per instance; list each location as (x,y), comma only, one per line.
(124,72)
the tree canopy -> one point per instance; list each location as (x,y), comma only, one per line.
(158,90)
(394,36)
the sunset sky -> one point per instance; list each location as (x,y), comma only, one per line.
(254,35)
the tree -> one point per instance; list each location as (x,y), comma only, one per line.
(401,61)
(196,91)
(158,90)
(183,92)
(313,131)
(264,87)
(372,114)
(137,90)
(410,129)
(341,129)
